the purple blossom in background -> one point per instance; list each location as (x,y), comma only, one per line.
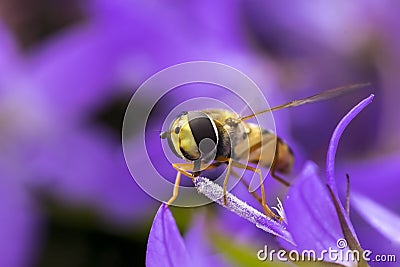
(75,162)
(320,45)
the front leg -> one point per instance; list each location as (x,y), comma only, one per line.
(181,168)
(187,170)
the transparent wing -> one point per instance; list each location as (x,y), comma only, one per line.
(318,97)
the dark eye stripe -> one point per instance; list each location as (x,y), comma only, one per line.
(202,127)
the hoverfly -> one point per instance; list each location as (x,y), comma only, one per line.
(226,132)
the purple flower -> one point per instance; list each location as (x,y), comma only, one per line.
(45,135)
(311,206)
(376,215)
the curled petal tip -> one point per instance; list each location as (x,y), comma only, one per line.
(330,160)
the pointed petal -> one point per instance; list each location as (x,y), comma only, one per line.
(330,159)
(310,212)
(165,246)
(347,228)
(312,217)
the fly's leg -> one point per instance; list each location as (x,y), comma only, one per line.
(266,209)
(182,168)
(228,171)
(240,178)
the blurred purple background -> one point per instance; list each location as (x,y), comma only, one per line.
(69,68)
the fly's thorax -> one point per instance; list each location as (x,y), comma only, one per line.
(238,136)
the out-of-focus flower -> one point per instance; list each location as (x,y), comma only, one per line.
(321,45)
(381,218)
(374,202)
(59,155)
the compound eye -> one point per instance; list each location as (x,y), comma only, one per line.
(177,129)
(203,131)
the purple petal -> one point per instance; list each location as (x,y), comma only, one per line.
(330,160)
(312,218)
(215,193)
(346,226)
(165,246)
(75,68)
(384,220)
